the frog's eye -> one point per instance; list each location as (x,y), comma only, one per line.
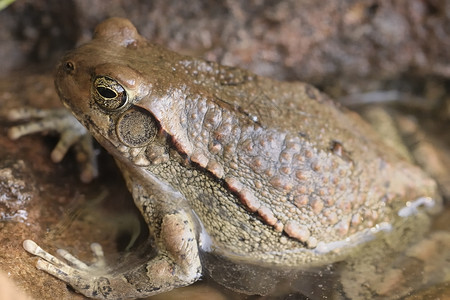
(108,93)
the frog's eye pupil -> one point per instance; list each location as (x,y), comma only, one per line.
(107,93)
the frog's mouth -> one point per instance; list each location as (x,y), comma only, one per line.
(68,103)
(110,145)
(90,125)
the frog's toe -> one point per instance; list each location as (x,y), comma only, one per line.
(84,281)
(97,250)
(32,248)
(56,267)
(15,132)
(72,259)
(86,157)
(18,131)
(25,113)
(67,139)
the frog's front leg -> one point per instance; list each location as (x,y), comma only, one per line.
(59,120)
(177,264)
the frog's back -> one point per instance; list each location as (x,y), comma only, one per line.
(297,161)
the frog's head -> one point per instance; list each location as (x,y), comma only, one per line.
(105,82)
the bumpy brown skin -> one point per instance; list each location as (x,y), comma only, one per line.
(274,171)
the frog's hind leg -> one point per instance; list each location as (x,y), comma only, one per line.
(176,264)
(403,133)
(429,151)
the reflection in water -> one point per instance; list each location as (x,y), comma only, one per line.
(385,268)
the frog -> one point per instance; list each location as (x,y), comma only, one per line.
(235,174)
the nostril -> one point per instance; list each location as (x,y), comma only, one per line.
(69,66)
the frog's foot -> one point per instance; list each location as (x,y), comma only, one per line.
(72,133)
(85,278)
(58,268)
(176,264)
